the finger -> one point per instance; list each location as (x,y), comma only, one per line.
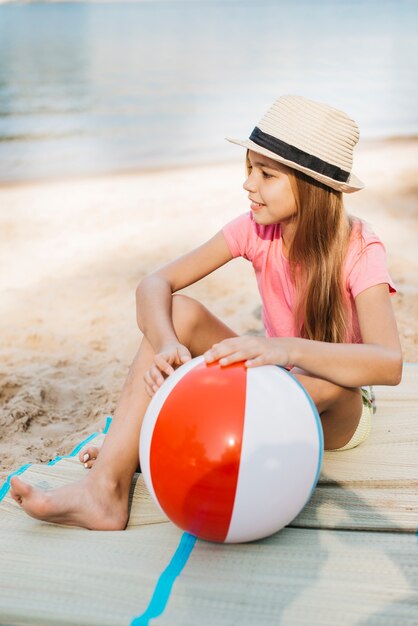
(235,357)
(209,356)
(163,364)
(147,379)
(217,351)
(149,391)
(183,354)
(229,346)
(150,386)
(155,375)
(223,359)
(255,362)
(153,378)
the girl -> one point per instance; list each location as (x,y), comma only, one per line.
(325,290)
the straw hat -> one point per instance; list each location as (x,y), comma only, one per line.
(311,137)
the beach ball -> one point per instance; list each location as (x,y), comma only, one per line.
(231,454)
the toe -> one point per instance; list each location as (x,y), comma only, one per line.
(82,454)
(88,454)
(19,489)
(15,497)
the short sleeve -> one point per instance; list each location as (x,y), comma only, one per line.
(369,268)
(241,237)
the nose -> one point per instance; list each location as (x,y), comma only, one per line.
(249,183)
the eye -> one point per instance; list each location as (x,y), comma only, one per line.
(267,175)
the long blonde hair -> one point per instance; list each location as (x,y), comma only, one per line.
(316,258)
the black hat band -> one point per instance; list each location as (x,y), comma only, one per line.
(304,159)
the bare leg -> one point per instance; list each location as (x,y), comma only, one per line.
(339,408)
(100,501)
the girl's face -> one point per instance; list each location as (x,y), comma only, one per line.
(269,189)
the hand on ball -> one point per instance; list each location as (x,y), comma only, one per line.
(254,351)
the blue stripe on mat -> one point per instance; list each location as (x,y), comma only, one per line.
(108,422)
(6,486)
(165,582)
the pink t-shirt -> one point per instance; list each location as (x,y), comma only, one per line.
(365,266)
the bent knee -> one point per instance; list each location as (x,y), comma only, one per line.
(323,392)
(186,311)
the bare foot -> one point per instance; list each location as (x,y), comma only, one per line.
(88,455)
(84,503)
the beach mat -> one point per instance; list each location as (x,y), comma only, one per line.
(329,567)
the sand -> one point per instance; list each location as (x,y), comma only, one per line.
(73,251)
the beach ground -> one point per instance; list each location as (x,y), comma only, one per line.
(73,251)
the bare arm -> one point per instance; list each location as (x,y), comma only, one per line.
(154,293)
(378,361)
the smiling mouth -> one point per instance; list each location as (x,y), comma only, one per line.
(256,205)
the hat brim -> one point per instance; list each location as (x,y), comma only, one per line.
(353,184)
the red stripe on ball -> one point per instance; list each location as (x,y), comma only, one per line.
(196,449)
